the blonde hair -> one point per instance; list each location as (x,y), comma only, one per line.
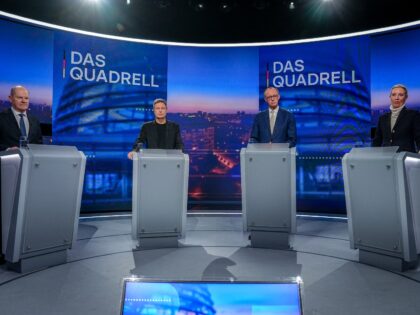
(401,86)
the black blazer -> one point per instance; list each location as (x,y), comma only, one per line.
(10,131)
(149,136)
(405,134)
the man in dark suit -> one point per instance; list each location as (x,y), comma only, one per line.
(274,125)
(17,121)
(401,126)
(14,123)
(160,133)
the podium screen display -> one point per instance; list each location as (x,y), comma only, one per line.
(140,297)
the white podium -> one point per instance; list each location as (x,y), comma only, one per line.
(383,206)
(268,179)
(41,189)
(160,194)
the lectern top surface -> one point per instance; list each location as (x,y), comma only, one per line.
(56,148)
(160,152)
(42,150)
(203,297)
(374,150)
(268,147)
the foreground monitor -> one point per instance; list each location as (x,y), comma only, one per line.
(186,297)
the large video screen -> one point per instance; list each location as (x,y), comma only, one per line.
(211,298)
(326,86)
(96,92)
(394,59)
(25,59)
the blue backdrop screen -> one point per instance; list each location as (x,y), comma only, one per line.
(326,86)
(103,92)
(394,59)
(98,92)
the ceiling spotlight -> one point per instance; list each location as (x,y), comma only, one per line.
(198,5)
(292,5)
(128,2)
(226,5)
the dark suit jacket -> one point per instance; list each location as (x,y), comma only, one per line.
(149,136)
(284,128)
(10,131)
(405,134)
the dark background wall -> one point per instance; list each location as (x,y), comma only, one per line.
(218,21)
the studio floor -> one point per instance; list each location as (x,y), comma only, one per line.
(214,248)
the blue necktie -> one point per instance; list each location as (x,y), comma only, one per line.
(22,125)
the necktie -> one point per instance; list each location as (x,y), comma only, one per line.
(272,121)
(22,125)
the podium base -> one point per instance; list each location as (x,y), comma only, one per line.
(158,242)
(34,263)
(269,239)
(385,261)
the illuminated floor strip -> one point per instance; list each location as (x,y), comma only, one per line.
(127,216)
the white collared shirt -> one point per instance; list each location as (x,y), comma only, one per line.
(25,119)
(273,111)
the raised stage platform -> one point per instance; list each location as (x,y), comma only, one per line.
(215,247)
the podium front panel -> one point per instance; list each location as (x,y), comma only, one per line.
(268,182)
(373,201)
(268,189)
(10,170)
(51,201)
(160,188)
(41,195)
(160,193)
(412,169)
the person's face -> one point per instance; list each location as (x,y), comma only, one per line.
(20,99)
(272,98)
(160,110)
(398,97)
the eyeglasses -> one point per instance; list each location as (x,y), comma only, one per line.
(271,97)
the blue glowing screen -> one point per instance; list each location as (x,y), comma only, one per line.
(211,298)
(326,86)
(395,59)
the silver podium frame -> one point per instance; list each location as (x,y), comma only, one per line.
(41,188)
(268,180)
(160,195)
(383,206)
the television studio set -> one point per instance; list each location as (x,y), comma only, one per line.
(209,157)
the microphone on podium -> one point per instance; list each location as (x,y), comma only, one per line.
(139,146)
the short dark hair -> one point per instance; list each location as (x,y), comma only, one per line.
(159,100)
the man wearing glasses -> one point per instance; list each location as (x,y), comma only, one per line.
(274,125)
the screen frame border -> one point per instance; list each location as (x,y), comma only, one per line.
(292,280)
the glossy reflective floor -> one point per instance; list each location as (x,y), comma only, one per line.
(214,248)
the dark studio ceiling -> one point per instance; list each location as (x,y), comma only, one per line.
(218,21)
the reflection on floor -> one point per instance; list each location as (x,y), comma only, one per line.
(214,248)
